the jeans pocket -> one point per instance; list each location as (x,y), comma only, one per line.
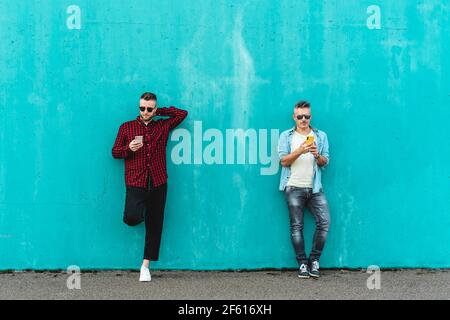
(289,188)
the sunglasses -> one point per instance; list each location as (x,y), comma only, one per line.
(301,116)
(149,109)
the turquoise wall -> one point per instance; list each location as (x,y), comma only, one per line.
(379,86)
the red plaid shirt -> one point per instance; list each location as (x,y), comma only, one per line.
(151,158)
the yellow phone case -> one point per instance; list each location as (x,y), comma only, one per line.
(309,139)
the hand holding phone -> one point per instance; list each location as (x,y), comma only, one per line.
(136,144)
(139,139)
(309,139)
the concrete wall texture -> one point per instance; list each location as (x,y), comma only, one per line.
(377,75)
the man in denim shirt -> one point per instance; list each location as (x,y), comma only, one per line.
(302,161)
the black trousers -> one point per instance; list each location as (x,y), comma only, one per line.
(147,204)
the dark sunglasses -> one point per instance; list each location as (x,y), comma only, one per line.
(301,116)
(149,109)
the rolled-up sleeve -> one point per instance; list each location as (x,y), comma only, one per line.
(326,149)
(283,145)
(121,150)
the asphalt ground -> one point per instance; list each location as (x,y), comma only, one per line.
(402,284)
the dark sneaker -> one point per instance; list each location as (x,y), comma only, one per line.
(303,271)
(314,269)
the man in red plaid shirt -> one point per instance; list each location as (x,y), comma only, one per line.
(142,143)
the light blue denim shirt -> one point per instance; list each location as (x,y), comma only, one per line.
(284,148)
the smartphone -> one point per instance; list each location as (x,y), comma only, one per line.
(309,139)
(139,139)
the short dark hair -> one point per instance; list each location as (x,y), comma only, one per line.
(148,96)
(302,104)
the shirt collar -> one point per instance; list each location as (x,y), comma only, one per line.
(142,122)
(291,131)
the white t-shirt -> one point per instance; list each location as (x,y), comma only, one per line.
(302,169)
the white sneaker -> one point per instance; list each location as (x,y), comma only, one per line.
(145,275)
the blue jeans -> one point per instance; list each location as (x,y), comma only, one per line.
(297,199)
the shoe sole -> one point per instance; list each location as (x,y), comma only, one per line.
(314,276)
(142,279)
(303,277)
